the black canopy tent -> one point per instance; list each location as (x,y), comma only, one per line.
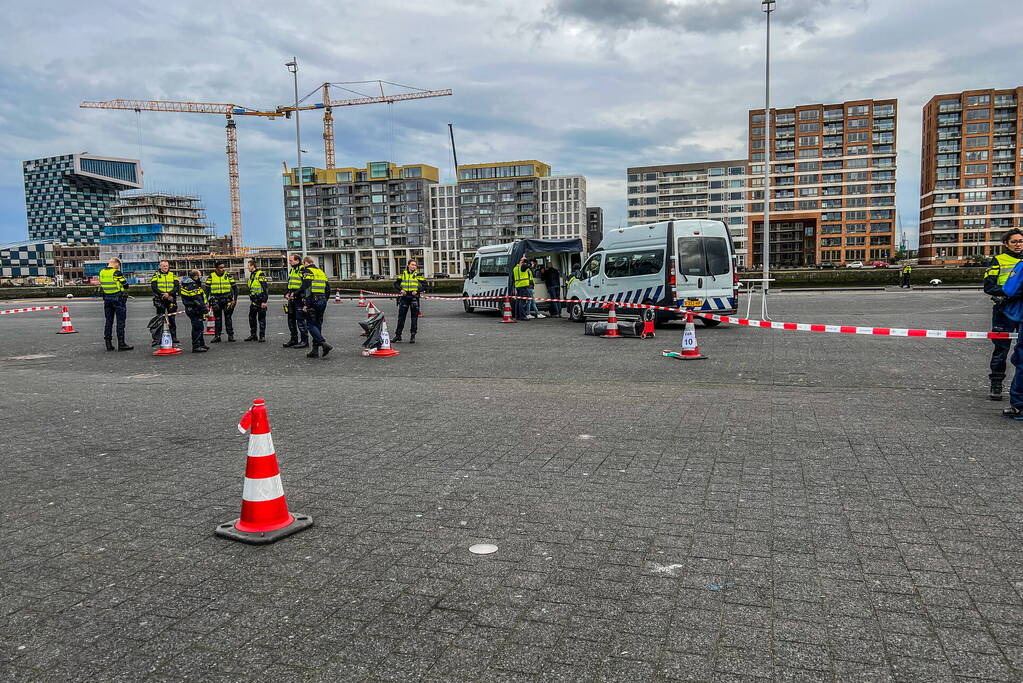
(523,247)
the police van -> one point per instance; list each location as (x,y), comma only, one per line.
(490,273)
(677,263)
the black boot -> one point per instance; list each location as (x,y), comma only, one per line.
(251,337)
(216,339)
(262,338)
(412,339)
(109,343)
(1015,412)
(230,337)
(290,343)
(327,348)
(315,353)
(395,340)
(996,390)
(122,346)
(304,344)
(200,349)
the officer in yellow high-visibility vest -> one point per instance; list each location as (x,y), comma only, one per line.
(293,305)
(409,285)
(223,292)
(115,303)
(523,280)
(166,286)
(193,298)
(314,302)
(907,277)
(259,295)
(995,276)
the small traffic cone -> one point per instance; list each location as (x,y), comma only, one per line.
(264,517)
(362,300)
(65,322)
(507,315)
(211,323)
(690,349)
(166,343)
(337,296)
(612,325)
(385,350)
(648,325)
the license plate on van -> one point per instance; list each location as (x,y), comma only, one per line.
(692,303)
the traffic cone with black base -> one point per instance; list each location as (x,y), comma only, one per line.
(612,325)
(690,349)
(506,316)
(648,324)
(384,350)
(265,517)
(166,342)
(65,322)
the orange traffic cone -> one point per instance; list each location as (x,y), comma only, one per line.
(264,517)
(648,324)
(211,323)
(337,296)
(362,300)
(371,311)
(690,349)
(612,325)
(384,350)
(507,316)
(65,322)
(166,343)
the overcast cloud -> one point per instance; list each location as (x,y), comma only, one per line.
(589,86)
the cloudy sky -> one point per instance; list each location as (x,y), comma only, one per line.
(589,86)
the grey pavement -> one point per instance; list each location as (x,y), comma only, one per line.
(799,507)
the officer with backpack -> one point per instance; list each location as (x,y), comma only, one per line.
(1002,289)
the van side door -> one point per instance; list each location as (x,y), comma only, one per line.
(591,278)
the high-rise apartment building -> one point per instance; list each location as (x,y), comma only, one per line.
(67,197)
(832,183)
(363,221)
(715,190)
(444,229)
(144,229)
(594,227)
(971,181)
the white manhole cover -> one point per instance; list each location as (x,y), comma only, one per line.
(483,549)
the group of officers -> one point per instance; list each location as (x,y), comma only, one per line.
(304,303)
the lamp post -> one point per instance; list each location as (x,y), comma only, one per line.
(293,68)
(768,7)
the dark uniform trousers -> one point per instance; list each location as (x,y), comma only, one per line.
(1000,323)
(197,315)
(317,304)
(406,303)
(114,306)
(296,320)
(257,314)
(223,311)
(162,307)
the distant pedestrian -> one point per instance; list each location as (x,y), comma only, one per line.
(907,277)
(522,278)
(193,298)
(115,304)
(997,273)
(552,279)
(259,296)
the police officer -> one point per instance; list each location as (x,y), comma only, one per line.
(409,285)
(293,306)
(165,286)
(995,276)
(193,298)
(223,291)
(259,294)
(523,278)
(313,295)
(907,276)
(115,303)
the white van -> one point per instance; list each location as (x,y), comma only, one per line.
(687,263)
(490,273)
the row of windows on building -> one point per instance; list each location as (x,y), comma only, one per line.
(830,113)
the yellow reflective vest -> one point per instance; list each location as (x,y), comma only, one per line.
(410,282)
(523,277)
(112,282)
(165,282)
(317,280)
(220,284)
(257,283)
(1000,267)
(295,278)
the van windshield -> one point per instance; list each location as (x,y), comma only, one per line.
(494,266)
(703,256)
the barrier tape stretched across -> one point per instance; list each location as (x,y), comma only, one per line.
(751,322)
(29,310)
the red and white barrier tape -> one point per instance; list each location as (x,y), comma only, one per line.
(29,310)
(764,324)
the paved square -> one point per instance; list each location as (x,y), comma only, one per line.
(806,507)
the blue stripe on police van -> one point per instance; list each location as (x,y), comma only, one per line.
(657,294)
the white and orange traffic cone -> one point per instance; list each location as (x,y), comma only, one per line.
(167,347)
(612,325)
(506,316)
(211,323)
(362,300)
(371,311)
(384,350)
(65,322)
(690,349)
(337,296)
(264,517)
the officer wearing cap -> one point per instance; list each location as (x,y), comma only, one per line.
(115,303)
(193,298)
(165,286)
(223,291)
(409,285)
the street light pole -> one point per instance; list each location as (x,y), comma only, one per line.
(293,68)
(768,7)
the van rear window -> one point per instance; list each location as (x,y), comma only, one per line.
(634,263)
(494,266)
(703,256)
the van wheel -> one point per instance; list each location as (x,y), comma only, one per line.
(710,323)
(466,305)
(575,312)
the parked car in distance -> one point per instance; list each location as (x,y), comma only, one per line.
(442,275)
(878,264)
(376,276)
(971,265)
(854,264)
(826,265)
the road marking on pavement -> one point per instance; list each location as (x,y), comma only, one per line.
(33,356)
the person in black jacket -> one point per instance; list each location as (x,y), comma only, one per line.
(995,276)
(259,295)
(193,298)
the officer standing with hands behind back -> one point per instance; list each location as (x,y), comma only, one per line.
(165,286)
(409,285)
(259,295)
(223,291)
(115,303)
